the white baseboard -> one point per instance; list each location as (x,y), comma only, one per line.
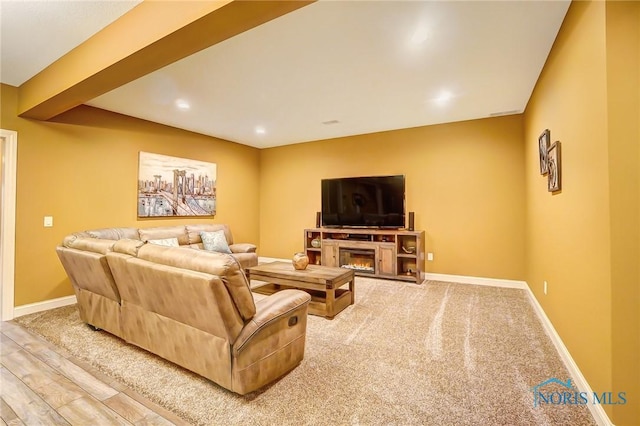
(493,282)
(596,410)
(32,308)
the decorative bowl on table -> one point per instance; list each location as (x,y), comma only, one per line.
(300,261)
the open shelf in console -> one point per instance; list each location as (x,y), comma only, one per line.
(312,246)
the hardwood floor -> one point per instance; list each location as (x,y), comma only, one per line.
(40,384)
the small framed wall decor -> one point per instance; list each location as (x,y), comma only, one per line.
(554,167)
(543,147)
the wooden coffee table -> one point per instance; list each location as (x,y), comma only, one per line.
(321,282)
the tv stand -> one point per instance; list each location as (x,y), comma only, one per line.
(382,253)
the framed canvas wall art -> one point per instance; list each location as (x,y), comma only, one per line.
(543,147)
(554,167)
(173,186)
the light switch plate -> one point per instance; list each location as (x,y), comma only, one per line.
(48,221)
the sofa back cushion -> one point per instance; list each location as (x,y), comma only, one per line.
(95,245)
(153,292)
(114,233)
(86,265)
(165,232)
(225,266)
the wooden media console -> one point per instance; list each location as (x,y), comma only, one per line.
(394,253)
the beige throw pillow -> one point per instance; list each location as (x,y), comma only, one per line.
(168,242)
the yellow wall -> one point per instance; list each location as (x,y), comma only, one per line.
(1,173)
(622,20)
(584,240)
(464,180)
(82,170)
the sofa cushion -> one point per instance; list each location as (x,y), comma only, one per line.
(128,246)
(215,241)
(246,260)
(222,265)
(114,233)
(243,248)
(163,232)
(88,270)
(95,245)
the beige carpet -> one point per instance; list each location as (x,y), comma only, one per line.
(404,354)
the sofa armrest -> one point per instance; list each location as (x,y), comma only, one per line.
(271,312)
(242,248)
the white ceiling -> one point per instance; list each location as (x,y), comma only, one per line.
(33,34)
(330,69)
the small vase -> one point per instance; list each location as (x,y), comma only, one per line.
(300,261)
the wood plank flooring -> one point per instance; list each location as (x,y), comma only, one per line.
(41,384)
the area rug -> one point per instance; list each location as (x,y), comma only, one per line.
(404,354)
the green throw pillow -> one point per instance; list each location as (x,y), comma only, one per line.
(215,241)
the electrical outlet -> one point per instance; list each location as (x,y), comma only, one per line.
(429,256)
(545,288)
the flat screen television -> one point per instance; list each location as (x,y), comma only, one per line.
(369,201)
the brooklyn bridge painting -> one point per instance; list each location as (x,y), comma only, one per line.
(173,186)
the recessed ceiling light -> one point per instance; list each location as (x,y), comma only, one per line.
(419,36)
(443,98)
(260,130)
(182,104)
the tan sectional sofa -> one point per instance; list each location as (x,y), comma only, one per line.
(187,236)
(191,307)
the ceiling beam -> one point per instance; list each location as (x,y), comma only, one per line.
(150,36)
